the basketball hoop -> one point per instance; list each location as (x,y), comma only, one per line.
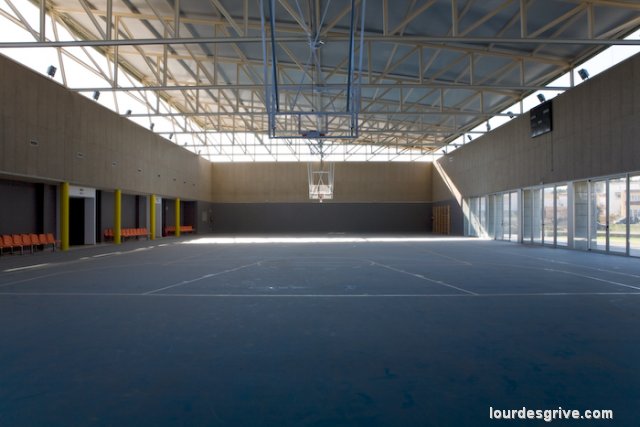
(320,181)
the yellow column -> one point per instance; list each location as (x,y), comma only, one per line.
(64,216)
(152,217)
(178,217)
(117,217)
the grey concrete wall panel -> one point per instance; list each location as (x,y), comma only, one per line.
(596,133)
(321,217)
(354,182)
(115,152)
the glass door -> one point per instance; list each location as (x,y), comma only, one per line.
(617,215)
(562,216)
(598,215)
(527,215)
(536,216)
(483,217)
(498,216)
(634,215)
(548,218)
(581,215)
(506,227)
(514,214)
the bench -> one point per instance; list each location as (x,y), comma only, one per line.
(127,233)
(168,230)
(30,241)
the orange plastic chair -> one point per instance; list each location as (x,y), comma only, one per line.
(26,241)
(6,242)
(42,239)
(17,242)
(34,240)
(51,240)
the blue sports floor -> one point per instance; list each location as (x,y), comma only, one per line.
(316,331)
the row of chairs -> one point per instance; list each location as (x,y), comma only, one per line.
(127,233)
(183,229)
(31,241)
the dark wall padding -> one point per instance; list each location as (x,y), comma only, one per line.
(128,211)
(20,203)
(204,218)
(321,217)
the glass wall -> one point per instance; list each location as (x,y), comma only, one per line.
(601,214)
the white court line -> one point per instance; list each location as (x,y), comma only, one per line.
(206,276)
(107,254)
(15,282)
(592,278)
(122,294)
(29,267)
(553,261)
(420,276)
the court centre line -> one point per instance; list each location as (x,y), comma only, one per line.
(420,276)
(206,276)
(157,295)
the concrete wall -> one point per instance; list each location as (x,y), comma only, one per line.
(596,131)
(83,143)
(321,217)
(354,182)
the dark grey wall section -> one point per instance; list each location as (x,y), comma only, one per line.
(128,211)
(106,211)
(50,210)
(188,212)
(168,213)
(204,219)
(321,217)
(19,207)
